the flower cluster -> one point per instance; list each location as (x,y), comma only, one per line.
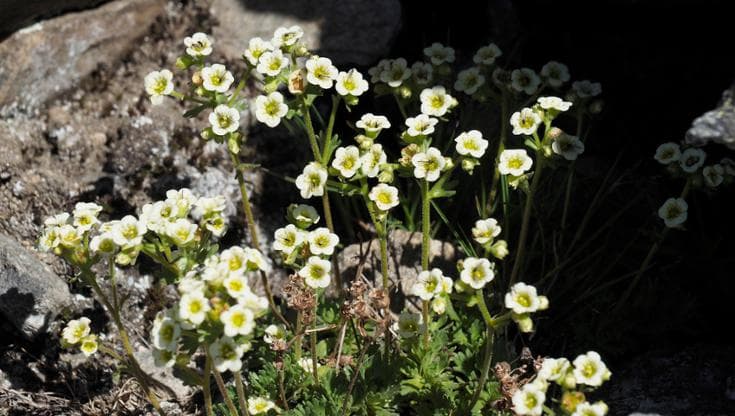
(78,332)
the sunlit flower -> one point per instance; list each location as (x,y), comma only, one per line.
(165,333)
(439,54)
(57,220)
(226,354)
(435,101)
(270,109)
(555,73)
(347,161)
(567,146)
(224,120)
(198,44)
(554,103)
(193,307)
(274,333)
(384,196)
(237,321)
(395,72)
(590,370)
(586,88)
(429,284)
(469,80)
(525,122)
(128,232)
(523,298)
(525,80)
(69,236)
(158,84)
(76,330)
(256,48)
(320,72)
(322,241)
(103,244)
(307,364)
(85,215)
(181,200)
(181,232)
(260,405)
(553,369)
(514,162)
(271,63)
(692,159)
(89,345)
(668,153)
(288,238)
(589,409)
(253,302)
(287,36)
(477,272)
(312,180)
(485,230)
(372,124)
(316,272)
(471,143)
(216,78)
(674,212)
(439,305)
(422,72)
(487,55)
(421,125)
(428,164)
(409,325)
(351,83)
(236,284)
(529,400)
(371,161)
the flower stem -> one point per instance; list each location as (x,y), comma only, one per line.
(490,339)
(425,248)
(570,178)
(206,385)
(223,390)
(526,220)
(241,394)
(312,345)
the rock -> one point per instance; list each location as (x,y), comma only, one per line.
(30,294)
(164,375)
(53,56)
(19,13)
(346,31)
(717,126)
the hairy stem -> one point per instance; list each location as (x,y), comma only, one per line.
(312,346)
(223,390)
(206,390)
(353,380)
(425,248)
(241,394)
(526,221)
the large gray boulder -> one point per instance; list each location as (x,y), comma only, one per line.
(30,294)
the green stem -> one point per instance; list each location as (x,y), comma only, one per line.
(297,342)
(241,394)
(330,127)
(310,133)
(501,146)
(486,364)
(425,248)
(312,345)
(570,179)
(330,226)
(526,221)
(206,390)
(223,390)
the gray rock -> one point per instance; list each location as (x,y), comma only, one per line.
(174,387)
(346,31)
(19,13)
(717,126)
(30,294)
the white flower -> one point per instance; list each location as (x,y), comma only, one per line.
(351,83)
(190,283)
(553,369)
(384,196)
(435,101)
(377,71)
(525,80)
(422,72)
(57,220)
(347,161)
(322,241)
(421,125)
(304,215)
(207,206)
(198,44)
(555,73)
(182,200)
(75,330)
(226,354)
(438,53)
(224,120)
(586,88)
(588,409)
(409,325)
(103,244)
(316,272)
(69,236)
(485,230)
(158,84)
(312,180)
(128,232)
(471,143)
(284,36)
(237,321)
(181,232)
(271,63)
(713,175)
(165,333)
(667,153)
(274,333)
(469,80)
(371,161)
(554,103)
(428,164)
(50,239)
(523,298)
(673,212)
(395,72)
(429,283)
(85,215)
(477,272)
(372,124)
(320,72)
(287,239)
(439,305)
(307,364)
(164,358)
(692,159)
(89,345)
(590,370)
(193,307)
(567,146)
(254,260)
(525,121)
(529,400)
(257,304)
(216,78)
(256,48)
(269,109)
(260,405)
(236,284)
(514,162)
(487,55)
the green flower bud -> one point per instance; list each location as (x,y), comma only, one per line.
(499,249)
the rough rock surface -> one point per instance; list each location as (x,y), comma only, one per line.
(718,125)
(175,387)
(30,294)
(19,13)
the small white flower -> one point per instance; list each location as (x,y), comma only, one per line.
(128,232)
(76,330)
(590,370)
(668,153)
(198,44)
(256,48)
(525,80)
(190,283)
(525,122)
(471,143)
(692,159)
(589,409)
(287,36)
(216,78)
(553,369)
(514,162)
(477,272)
(421,125)
(371,161)
(423,72)
(257,304)
(429,284)
(304,215)
(164,358)
(351,83)
(485,230)
(439,305)
(674,212)
(271,63)
(69,236)
(193,307)
(439,54)
(260,405)
(236,284)
(409,325)
(469,80)
(312,180)
(523,298)
(224,120)
(555,73)
(347,161)
(713,175)
(586,88)
(567,146)
(274,333)
(487,55)
(307,364)
(395,72)
(208,206)
(103,244)
(428,164)
(226,354)
(158,84)
(529,400)
(377,71)
(50,239)
(181,202)
(435,101)
(316,272)
(237,321)
(320,72)
(57,220)
(181,232)
(554,103)
(372,124)
(254,260)
(85,215)
(384,196)
(270,109)
(322,241)
(287,239)
(165,333)
(89,345)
